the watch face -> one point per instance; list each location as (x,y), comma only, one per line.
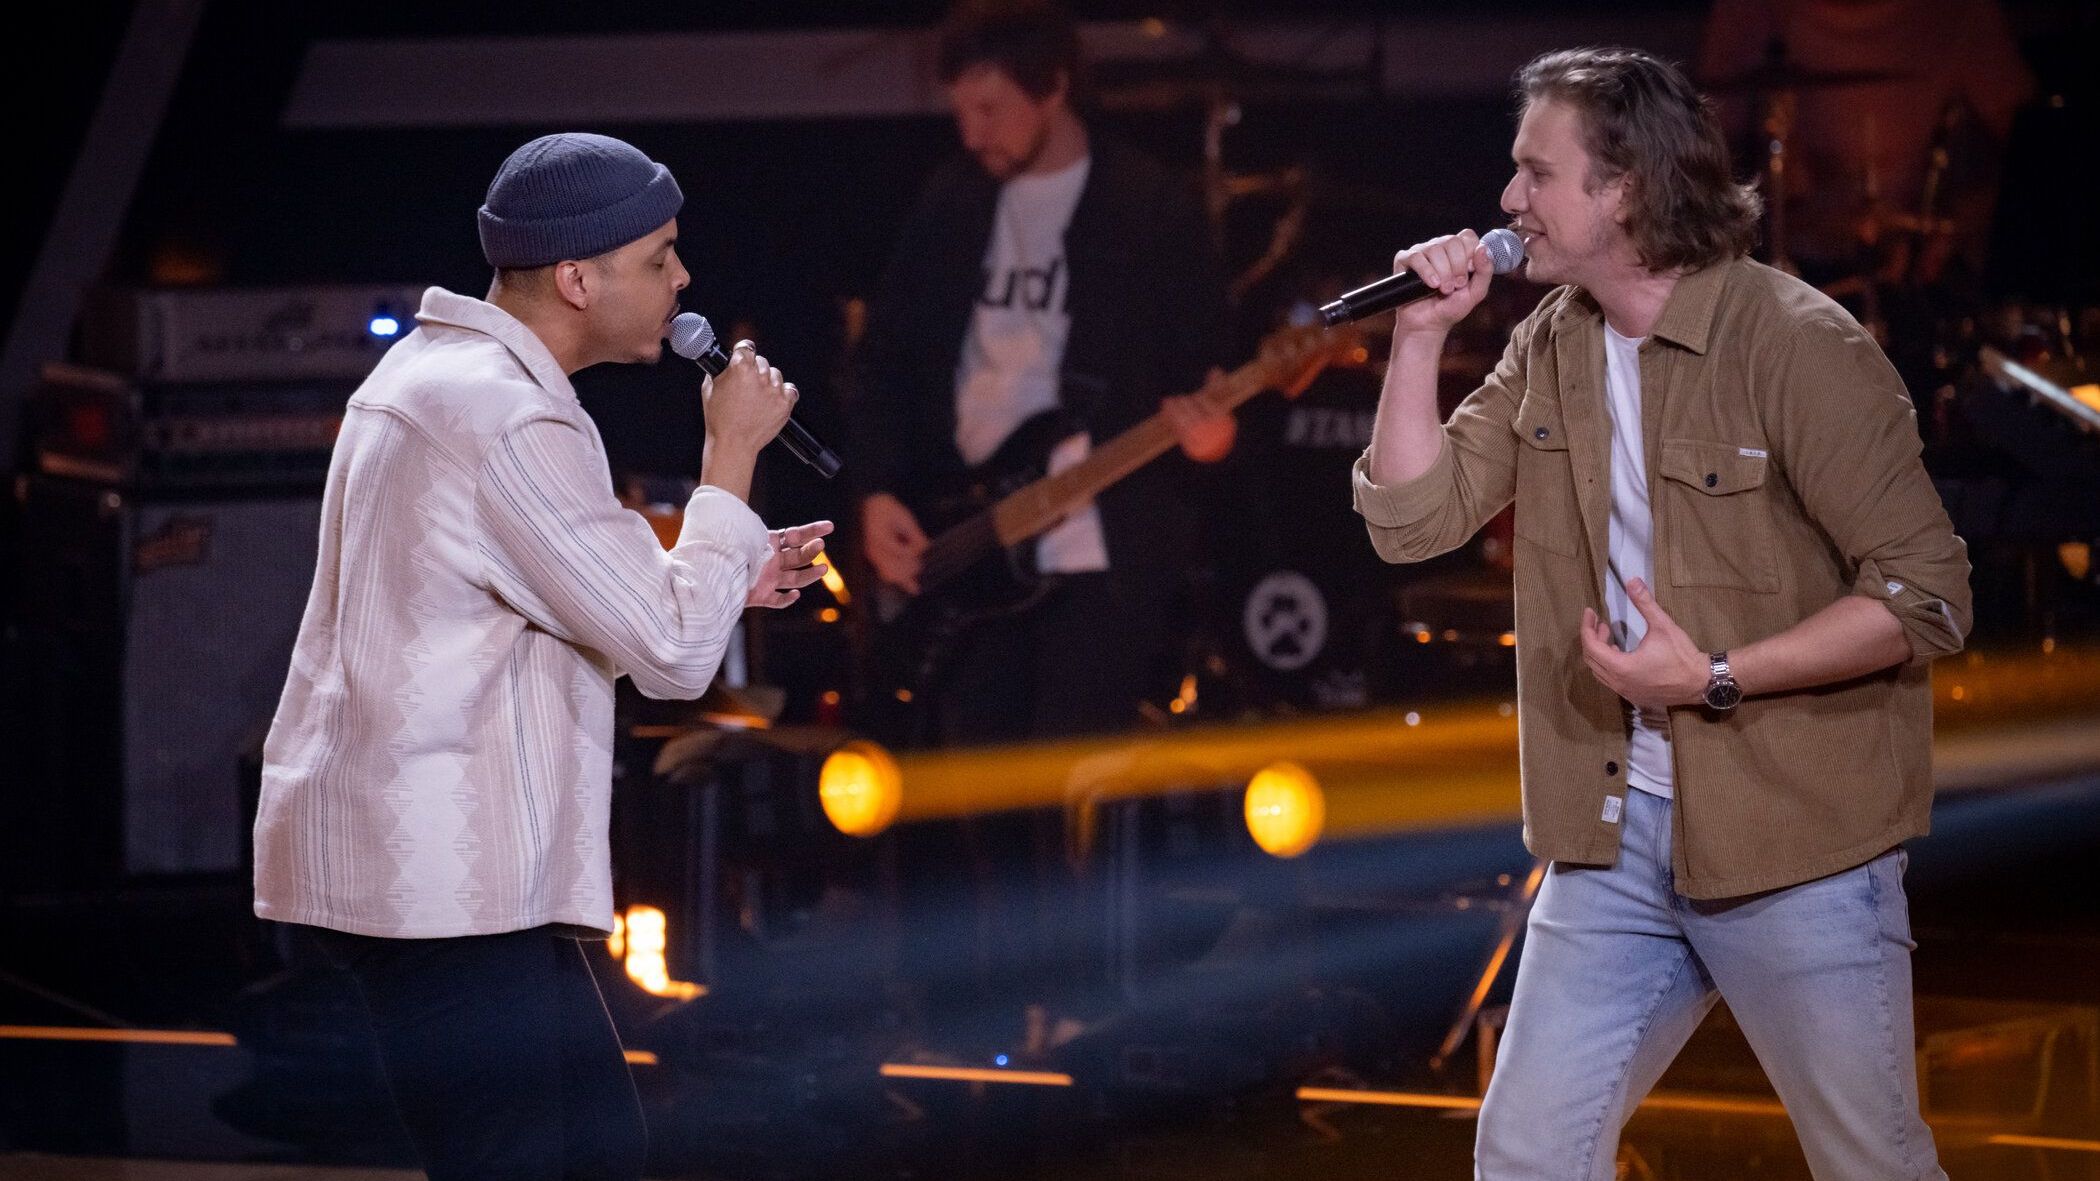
(1724,695)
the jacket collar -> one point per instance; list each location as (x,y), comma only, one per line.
(442,307)
(1688,315)
(1687,318)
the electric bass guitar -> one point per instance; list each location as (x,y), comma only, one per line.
(980,566)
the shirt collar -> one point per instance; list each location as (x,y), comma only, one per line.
(445,308)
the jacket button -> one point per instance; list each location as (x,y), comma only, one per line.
(1712,479)
(1541,433)
(1611,768)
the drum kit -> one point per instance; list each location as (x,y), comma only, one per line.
(1897,278)
(1890,245)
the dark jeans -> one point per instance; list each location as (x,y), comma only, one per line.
(1011,906)
(1077,664)
(501,1056)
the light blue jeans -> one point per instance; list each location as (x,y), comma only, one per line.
(1618,969)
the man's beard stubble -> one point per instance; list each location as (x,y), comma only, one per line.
(1023,163)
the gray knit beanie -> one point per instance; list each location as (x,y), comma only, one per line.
(573,195)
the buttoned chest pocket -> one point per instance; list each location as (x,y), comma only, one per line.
(1547,514)
(1719,524)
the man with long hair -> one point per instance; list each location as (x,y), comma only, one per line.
(1732,575)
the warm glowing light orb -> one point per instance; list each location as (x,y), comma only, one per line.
(1285,809)
(860,788)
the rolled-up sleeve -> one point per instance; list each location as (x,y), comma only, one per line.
(1400,508)
(1472,478)
(1852,453)
(1929,620)
(561,549)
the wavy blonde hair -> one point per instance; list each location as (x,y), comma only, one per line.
(1642,119)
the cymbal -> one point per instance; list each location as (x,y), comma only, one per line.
(1781,76)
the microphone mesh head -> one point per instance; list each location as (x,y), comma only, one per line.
(692,335)
(1505,250)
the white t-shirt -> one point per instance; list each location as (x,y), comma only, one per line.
(1632,544)
(1015,346)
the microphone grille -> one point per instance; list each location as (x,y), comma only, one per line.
(691,335)
(1505,250)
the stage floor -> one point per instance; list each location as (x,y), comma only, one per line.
(155,1031)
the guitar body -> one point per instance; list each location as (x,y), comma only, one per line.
(984,579)
(969,577)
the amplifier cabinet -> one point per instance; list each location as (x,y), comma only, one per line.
(154,635)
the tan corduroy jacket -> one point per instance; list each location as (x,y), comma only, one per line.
(1784,473)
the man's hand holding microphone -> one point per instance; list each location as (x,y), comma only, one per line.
(1435,284)
(746,406)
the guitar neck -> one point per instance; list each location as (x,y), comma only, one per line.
(1029,511)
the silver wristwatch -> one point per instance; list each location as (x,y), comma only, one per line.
(1722,693)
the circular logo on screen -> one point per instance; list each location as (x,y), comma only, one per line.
(1285,621)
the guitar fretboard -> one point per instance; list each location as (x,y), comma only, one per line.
(1031,510)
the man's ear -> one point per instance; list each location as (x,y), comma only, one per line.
(1623,214)
(575,283)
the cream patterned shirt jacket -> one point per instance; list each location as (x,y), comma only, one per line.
(440,763)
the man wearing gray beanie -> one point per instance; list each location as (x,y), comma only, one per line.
(437,782)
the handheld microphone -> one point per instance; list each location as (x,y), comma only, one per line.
(1505,251)
(693,338)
